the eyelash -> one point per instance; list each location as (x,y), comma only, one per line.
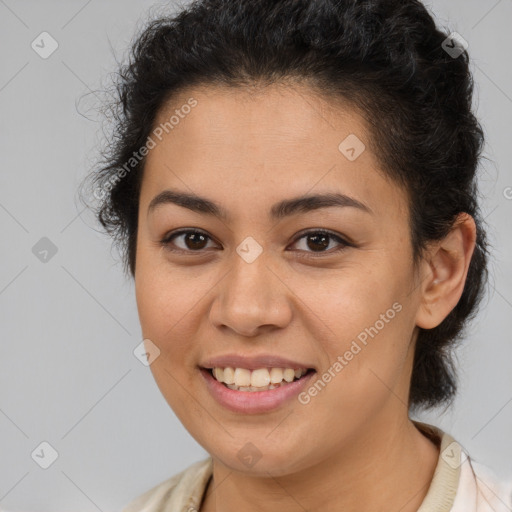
(166,241)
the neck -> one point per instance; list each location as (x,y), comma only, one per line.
(389,466)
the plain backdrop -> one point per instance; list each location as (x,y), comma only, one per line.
(69,324)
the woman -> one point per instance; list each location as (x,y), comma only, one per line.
(293,186)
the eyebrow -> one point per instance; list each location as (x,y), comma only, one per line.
(285,208)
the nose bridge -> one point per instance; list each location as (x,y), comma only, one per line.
(250,295)
(247,288)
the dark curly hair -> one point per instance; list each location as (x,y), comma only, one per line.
(386,58)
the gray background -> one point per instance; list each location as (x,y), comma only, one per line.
(69,326)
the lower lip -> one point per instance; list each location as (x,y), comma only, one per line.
(254,402)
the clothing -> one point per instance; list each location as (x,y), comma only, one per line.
(459,484)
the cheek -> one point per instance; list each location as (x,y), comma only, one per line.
(350,300)
(162,313)
(369,337)
(167,307)
(163,297)
(172,305)
(366,376)
(161,304)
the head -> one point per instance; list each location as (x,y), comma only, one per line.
(251,106)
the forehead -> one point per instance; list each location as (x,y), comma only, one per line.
(264,142)
(276,117)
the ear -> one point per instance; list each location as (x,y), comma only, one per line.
(444,272)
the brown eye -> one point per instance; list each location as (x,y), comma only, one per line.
(320,240)
(317,242)
(191,240)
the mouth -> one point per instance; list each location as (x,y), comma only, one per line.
(258,380)
(263,398)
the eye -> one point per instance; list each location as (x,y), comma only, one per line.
(319,240)
(193,240)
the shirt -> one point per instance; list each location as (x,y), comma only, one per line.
(459,484)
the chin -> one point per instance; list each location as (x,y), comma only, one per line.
(260,458)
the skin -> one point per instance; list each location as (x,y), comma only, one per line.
(353,447)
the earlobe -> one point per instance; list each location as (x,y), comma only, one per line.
(445,270)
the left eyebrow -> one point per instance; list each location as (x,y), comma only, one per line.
(302,204)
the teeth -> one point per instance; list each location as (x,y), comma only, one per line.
(261,379)
(229,376)
(288,374)
(276,375)
(218,373)
(242,377)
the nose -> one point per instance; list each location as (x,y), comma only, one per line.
(251,299)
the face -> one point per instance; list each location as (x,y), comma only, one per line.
(329,287)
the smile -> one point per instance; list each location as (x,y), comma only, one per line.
(249,399)
(262,379)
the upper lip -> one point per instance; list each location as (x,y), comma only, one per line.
(252,362)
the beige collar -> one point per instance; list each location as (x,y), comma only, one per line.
(443,488)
